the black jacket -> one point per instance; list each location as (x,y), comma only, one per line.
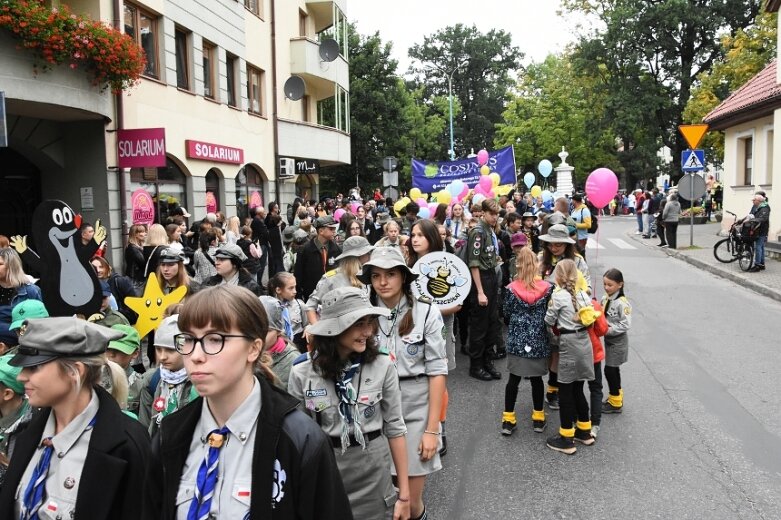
(761,218)
(259,231)
(313,488)
(245,280)
(135,263)
(112,478)
(309,266)
(121,288)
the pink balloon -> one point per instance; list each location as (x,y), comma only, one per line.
(354,207)
(490,194)
(601,187)
(464,192)
(482,157)
(423,203)
(338,214)
(486,183)
(432,206)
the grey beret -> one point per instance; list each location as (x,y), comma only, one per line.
(45,339)
(164,335)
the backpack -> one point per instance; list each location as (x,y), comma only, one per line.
(594,222)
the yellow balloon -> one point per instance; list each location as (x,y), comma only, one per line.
(444,197)
(495,179)
(424,196)
(398,206)
(503,190)
(415,193)
(536,191)
(485,170)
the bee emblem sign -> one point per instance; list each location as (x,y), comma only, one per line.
(444,278)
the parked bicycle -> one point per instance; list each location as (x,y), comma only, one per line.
(739,244)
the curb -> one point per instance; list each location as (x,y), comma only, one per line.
(740,280)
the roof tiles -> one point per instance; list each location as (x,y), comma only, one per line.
(760,90)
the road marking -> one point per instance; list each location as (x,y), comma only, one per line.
(592,244)
(621,244)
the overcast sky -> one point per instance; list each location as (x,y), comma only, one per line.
(534,25)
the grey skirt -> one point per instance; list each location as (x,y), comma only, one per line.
(576,358)
(616,351)
(367,480)
(527,367)
(414,408)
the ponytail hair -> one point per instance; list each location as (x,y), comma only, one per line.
(617,276)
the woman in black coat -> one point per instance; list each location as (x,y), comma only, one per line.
(275,226)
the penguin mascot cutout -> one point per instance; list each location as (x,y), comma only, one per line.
(69,284)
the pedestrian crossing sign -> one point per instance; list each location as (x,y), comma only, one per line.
(693,160)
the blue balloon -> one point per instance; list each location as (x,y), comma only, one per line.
(528,179)
(424,213)
(545,167)
(546,195)
(456,187)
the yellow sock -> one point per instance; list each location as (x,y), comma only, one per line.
(583,425)
(616,400)
(553,389)
(538,415)
(509,417)
(567,432)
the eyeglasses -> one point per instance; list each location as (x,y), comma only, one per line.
(211,343)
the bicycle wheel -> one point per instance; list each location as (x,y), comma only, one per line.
(724,251)
(746,259)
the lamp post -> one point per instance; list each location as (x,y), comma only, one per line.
(451,151)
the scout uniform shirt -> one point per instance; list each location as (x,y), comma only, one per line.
(233,490)
(482,247)
(331,280)
(618,313)
(67,462)
(377,391)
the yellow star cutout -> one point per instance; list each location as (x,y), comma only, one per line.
(151,306)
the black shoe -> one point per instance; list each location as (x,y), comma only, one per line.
(508,428)
(499,354)
(480,373)
(662,244)
(562,444)
(609,408)
(754,269)
(584,437)
(489,367)
(539,426)
(443,449)
(553,400)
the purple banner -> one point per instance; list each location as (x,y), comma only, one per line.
(431,177)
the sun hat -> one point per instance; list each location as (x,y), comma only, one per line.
(46,339)
(557,234)
(556,218)
(300,236)
(164,335)
(231,252)
(274,312)
(8,374)
(382,217)
(128,343)
(341,308)
(288,234)
(386,258)
(326,221)
(518,239)
(169,255)
(27,310)
(528,214)
(355,246)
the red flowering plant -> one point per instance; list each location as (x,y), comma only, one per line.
(57,36)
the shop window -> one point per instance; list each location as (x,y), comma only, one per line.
(249,192)
(182,59)
(305,186)
(212,191)
(745,152)
(255,82)
(166,185)
(141,25)
(230,73)
(208,60)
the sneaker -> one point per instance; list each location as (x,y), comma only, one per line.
(584,437)
(609,408)
(553,400)
(638,232)
(562,444)
(664,246)
(594,430)
(539,426)
(508,428)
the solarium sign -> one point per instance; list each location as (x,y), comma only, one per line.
(141,147)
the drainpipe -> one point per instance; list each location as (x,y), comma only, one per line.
(274,120)
(120,125)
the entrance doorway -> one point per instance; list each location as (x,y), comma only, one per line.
(20,192)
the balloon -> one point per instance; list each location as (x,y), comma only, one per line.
(491,194)
(415,193)
(494,179)
(445,197)
(422,202)
(398,206)
(464,191)
(546,195)
(503,190)
(545,167)
(432,207)
(482,157)
(424,213)
(485,170)
(535,191)
(528,179)
(477,199)
(354,207)
(485,183)
(557,195)
(338,214)
(456,187)
(601,187)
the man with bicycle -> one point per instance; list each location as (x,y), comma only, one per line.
(759,217)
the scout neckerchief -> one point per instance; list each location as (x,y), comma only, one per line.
(206,481)
(348,404)
(286,319)
(389,336)
(168,402)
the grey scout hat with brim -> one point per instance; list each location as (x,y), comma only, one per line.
(386,258)
(273,309)
(46,339)
(342,307)
(557,233)
(355,246)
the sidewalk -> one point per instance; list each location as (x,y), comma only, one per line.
(766,283)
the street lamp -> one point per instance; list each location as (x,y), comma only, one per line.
(449,75)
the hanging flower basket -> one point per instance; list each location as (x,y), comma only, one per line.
(57,36)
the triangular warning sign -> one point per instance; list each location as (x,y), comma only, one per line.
(693,162)
(693,133)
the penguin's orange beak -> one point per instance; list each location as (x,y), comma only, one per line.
(77,221)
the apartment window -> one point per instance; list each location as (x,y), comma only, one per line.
(208,61)
(302,19)
(305,104)
(142,27)
(769,148)
(230,73)
(745,168)
(255,90)
(182,61)
(335,111)
(253,6)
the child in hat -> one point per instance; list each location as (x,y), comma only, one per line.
(15,411)
(108,317)
(278,339)
(353,392)
(23,311)
(518,242)
(123,351)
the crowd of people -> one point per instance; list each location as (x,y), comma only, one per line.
(300,376)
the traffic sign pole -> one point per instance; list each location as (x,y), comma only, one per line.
(691,212)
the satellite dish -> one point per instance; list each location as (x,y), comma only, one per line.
(329,49)
(295,88)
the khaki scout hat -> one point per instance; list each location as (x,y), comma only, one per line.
(129,342)
(386,258)
(273,309)
(164,335)
(46,339)
(557,234)
(341,308)
(288,234)
(355,246)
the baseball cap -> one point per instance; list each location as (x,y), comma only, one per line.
(8,374)
(27,310)
(129,342)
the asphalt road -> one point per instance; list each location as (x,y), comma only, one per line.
(702,410)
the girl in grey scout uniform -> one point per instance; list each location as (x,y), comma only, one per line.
(278,341)
(80,457)
(353,392)
(618,312)
(355,252)
(242,450)
(570,311)
(412,336)
(166,389)
(283,287)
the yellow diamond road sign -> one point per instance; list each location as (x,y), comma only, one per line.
(693,134)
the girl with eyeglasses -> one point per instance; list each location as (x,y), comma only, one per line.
(242,449)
